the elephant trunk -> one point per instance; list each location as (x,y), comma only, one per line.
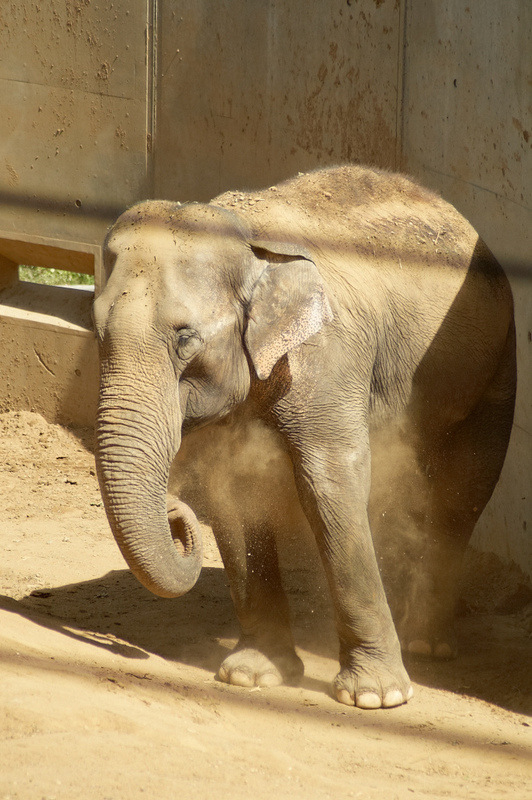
(160,542)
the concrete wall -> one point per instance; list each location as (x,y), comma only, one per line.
(74,83)
(250,93)
(104,104)
(48,358)
(49,361)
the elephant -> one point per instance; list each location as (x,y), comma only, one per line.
(358,317)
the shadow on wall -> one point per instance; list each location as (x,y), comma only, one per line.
(100,211)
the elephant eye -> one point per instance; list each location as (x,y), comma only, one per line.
(188,344)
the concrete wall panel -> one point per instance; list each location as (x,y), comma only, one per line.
(467,112)
(50,353)
(251,93)
(74,84)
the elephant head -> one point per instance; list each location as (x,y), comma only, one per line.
(193,310)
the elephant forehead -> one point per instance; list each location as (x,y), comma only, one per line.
(142,245)
(184,279)
(185,253)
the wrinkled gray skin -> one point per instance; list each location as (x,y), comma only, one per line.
(340,307)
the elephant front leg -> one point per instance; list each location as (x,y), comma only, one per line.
(333,483)
(265,654)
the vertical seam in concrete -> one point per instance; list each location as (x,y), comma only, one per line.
(151,91)
(401,81)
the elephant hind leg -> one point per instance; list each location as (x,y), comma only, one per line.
(462,473)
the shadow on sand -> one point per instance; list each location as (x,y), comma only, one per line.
(116,613)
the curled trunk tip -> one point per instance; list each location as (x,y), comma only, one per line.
(160,539)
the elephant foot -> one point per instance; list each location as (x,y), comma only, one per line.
(430,636)
(439,648)
(250,667)
(372,683)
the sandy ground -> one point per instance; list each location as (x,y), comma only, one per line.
(108,692)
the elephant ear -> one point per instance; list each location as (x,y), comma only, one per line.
(288,305)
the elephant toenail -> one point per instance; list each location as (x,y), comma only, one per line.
(241,678)
(223,675)
(269,679)
(393,698)
(443,650)
(368,700)
(343,696)
(419,647)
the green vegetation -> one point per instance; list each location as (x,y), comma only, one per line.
(53,277)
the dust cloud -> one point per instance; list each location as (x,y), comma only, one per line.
(237,472)
(398,511)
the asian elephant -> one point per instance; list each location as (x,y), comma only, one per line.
(361,317)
